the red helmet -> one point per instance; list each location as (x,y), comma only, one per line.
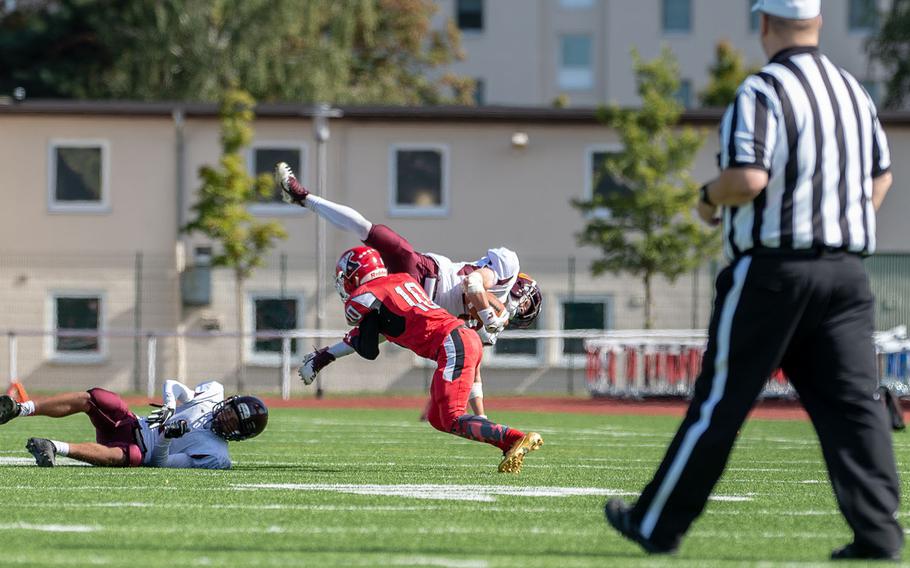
(355,268)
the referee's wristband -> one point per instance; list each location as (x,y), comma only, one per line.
(705,198)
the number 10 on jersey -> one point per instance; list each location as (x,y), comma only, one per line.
(416,297)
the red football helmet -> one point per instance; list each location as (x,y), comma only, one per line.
(355,268)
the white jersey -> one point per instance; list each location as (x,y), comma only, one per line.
(449,294)
(198,448)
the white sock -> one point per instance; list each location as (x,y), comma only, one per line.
(27,408)
(342,216)
(63,449)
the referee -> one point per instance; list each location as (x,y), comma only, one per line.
(804,166)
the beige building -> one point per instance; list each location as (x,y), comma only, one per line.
(95,193)
(530,52)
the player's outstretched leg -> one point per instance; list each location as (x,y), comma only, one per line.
(514,444)
(514,457)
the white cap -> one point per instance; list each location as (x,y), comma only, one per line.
(789,9)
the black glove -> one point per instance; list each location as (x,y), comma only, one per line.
(175,429)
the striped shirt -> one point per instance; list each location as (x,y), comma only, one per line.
(815,130)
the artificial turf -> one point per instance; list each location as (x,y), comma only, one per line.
(378,488)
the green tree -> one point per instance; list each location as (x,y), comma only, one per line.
(891,48)
(356,51)
(651,229)
(727,73)
(221,209)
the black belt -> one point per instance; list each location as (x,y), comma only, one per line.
(811,252)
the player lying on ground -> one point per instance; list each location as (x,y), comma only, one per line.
(394,307)
(464,289)
(190,430)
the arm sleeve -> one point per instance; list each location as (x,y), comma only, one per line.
(365,337)
(748,130)
(174,393)
(881,154)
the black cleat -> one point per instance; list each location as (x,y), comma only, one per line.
(854,552)
(44,451)
(619,517)
(9,409)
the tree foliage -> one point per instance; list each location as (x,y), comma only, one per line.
(650,229)
(356,51)
(891,48)
(726,73)
(221,211)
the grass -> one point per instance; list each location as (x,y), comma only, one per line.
(776,506)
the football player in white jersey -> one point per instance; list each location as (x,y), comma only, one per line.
(462,288)
(190,430)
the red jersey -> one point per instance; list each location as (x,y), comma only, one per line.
(409,317)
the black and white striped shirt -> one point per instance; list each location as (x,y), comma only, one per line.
(816,132)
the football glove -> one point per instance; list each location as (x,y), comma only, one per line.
(175,429)
(159,417)
(313,363)
(486,337)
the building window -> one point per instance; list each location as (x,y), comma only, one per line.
(469,15)
(480,95)
(582,314)
(72,313)
(753,16)
(419,180)
(677,15)
(272,313)
(575,67)
(684,93)
(78,177)
(863,15)
(598,181)
(516,350)
(576,4)
(262,160)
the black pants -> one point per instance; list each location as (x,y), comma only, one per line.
(813,316)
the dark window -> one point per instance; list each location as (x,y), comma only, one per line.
(78,174)
(871,88)
(677,15)
(264,160)
(418,179)
(480,97)
(469,14)
(602,182)
(581,315)
(863,15)
(523,347)
(274,314)
(684,93)
(753,16)
(74,314)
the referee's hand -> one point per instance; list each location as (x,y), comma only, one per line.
(708,213)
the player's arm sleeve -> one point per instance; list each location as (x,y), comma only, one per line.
(212,390)
(881,154)
(365,338)
(748,130)
(174,393)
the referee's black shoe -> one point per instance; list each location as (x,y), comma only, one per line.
(619,516)
(854,552)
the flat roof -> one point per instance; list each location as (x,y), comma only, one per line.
(378,113)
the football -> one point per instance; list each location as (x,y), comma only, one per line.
(497,306)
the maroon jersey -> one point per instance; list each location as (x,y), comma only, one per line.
(406,315)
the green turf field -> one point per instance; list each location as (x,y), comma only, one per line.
(377,488)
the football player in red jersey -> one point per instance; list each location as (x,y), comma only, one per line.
(394,307)
(461,288)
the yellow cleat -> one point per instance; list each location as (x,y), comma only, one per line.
(511,461)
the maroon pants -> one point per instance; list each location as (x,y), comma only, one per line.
(115,425)
(398,254)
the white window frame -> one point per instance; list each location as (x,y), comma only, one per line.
(249,326)
(279,209)
(506,361)
(398,210)
(575,78)
(579,361)
(590,150)
(103,205)
(50,343)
